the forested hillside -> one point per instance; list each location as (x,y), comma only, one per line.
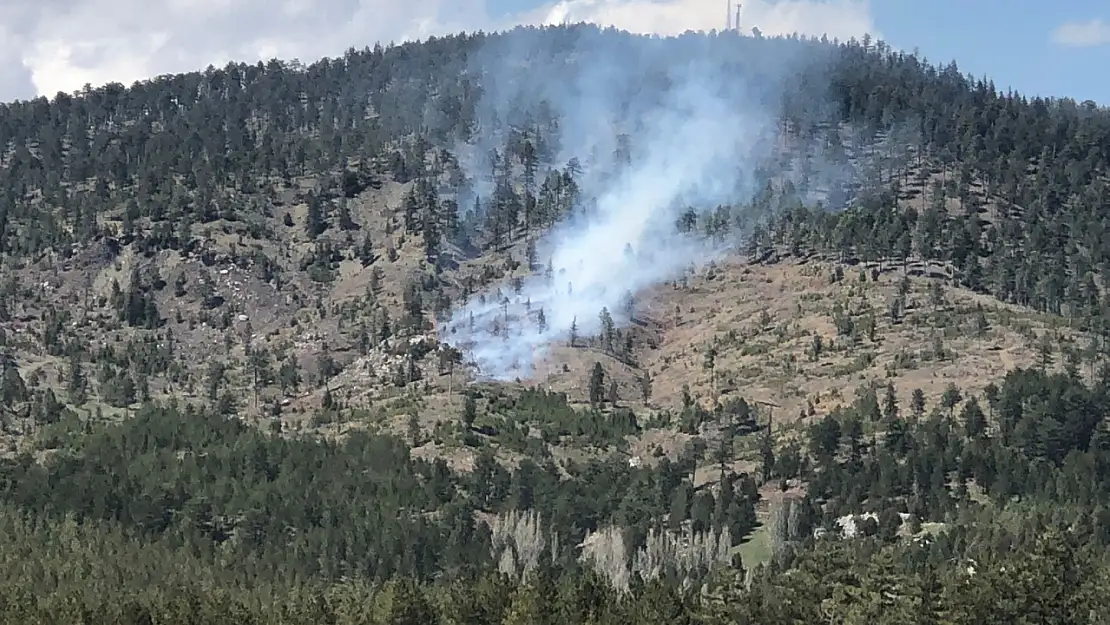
(248,319)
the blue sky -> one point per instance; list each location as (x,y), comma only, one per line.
(1022,44)
(1011,42)
(1058,48)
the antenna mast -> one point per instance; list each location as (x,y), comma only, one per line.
(728,16)
(738,5)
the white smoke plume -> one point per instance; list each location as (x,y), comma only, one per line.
(699,126)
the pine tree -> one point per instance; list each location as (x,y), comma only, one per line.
(597,384)
(470,411)
(315,222)
(366,251)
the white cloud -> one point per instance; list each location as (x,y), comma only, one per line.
(836,18)
(63,44)
(1093,32)
(48,46)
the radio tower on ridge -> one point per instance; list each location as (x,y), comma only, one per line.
(729,24)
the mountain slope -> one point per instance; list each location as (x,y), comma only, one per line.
(857,375)
(252,275)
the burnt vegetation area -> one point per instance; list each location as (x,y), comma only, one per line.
(184,256)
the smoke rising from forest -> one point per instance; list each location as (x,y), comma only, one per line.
(697,126)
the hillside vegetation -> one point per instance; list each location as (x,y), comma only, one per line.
(231,391)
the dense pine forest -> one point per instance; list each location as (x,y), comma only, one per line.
(227,395)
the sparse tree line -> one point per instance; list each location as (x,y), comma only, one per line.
(864,581)
(196,478)
(178,515)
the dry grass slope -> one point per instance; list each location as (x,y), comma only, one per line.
(762,321)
